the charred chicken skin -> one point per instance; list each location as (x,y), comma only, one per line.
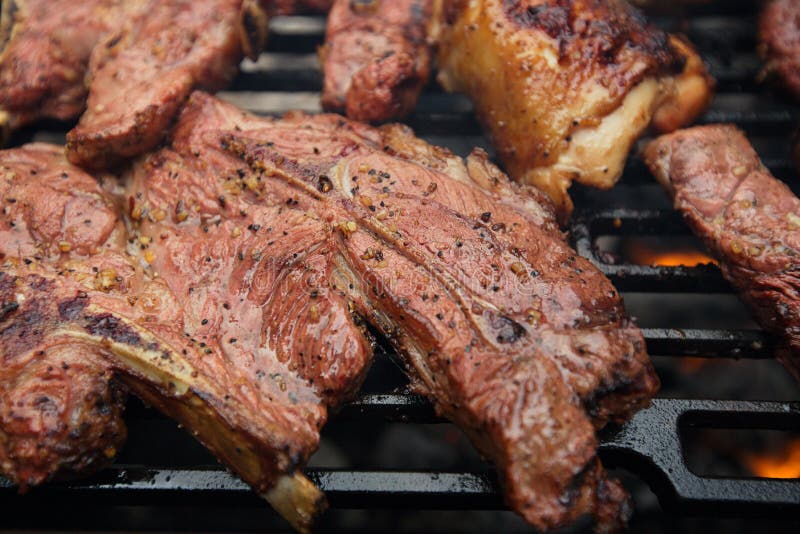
(779,36)
(564,87)
(747,218)
(376,58)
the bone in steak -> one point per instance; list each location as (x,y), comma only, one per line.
(747,218)
(77,311)
(261,247)
(779,36)
(139,76)
(564,87)
(59,412)
(311,223)
(376,57)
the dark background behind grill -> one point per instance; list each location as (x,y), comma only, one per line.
(386,461)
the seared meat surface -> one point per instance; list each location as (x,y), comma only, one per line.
(139,59)
(779,36)
(44,52)
(140,75)
(376,58)
(59,411)
(315,223)
(746,217)
(77,310)
(257,248)
(564,87)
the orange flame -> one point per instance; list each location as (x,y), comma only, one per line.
(784,463)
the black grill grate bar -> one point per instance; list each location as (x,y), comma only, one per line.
(587,227)
(649,444)
(752,344)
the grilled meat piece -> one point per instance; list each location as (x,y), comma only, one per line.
(746,217)
(376,58)
(59,411)
(273,239)
(140,75)
(779,36)
(564,87)
(322,221)
(44,51)
(77,311)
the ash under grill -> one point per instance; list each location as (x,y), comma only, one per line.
(164,480)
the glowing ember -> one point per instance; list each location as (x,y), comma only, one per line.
(641,252)
(690,365)
(784,463)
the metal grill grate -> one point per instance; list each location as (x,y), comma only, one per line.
(650,445)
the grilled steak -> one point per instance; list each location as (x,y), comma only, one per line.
(44,52)
(779,36)
(564,87)
(313,223)
(77,311)
(376,58)
(260,246)
(59,412)
(746,217)
(140,75)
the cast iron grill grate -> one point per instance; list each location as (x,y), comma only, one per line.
(650,445)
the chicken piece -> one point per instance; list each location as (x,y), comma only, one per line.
(747,218)
(141,75)
(376,58)
(44,52)
(779,42)
(60,413)
(564,87)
